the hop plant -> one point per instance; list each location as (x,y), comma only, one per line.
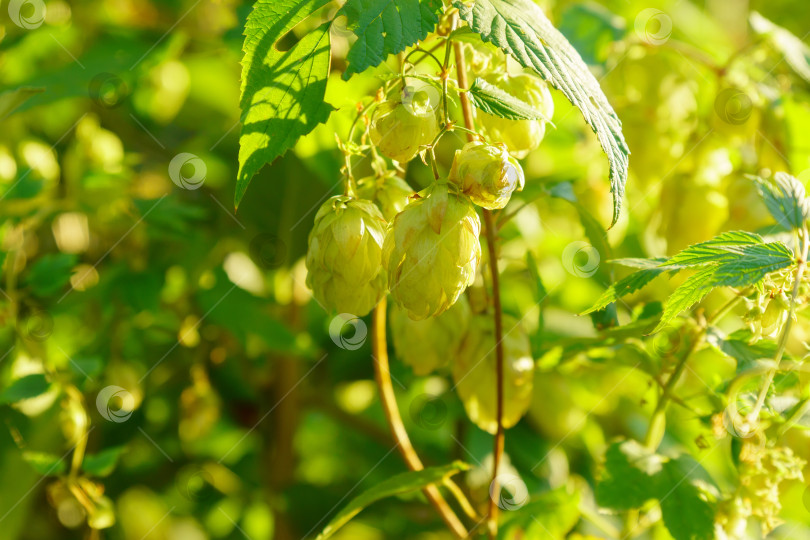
(344,255)
(402,126)
(429,344)
(474,371)
(388,191)
(432,250)
(520,136)
(487,174)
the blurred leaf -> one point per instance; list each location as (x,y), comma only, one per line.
(548,516)
(634,475)
(102,463)
(44,463)
(591,28)
(396,485)
(282,92)
(492,100)
(11,99)
(50,273)
(520,28)
(795,51)
(786,201)
(741,346)
(385,27)
(25,387)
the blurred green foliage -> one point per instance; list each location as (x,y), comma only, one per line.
(232,413)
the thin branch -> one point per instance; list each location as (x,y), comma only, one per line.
(382,375)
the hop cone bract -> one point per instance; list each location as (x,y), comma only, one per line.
(389,192)
(344,257)
(432,250)
(487,174)
(400,128)
(475,375)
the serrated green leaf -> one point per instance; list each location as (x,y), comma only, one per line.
(741,346)
(629,477)
(633,475)
(385,27)
(25,388)
(10,100)
(282,92)
(520,28)
(44,463)
(794,50)
(752,265)
(686,513)
(786,200)
(724,246)
(687,294)
(396,485)
(492,100)
(625,286)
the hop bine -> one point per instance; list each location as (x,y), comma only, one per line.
(344,256)
(432,250)
(487,174)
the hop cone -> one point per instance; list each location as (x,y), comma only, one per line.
(431,252)
(389,192)
(520,136)
(344,255)
(474,372)
(429,344)
(401,127)
(487,174)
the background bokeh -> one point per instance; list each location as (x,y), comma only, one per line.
(216,403)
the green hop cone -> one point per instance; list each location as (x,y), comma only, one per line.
(432,250)
(344,258)
(402,126)
(388,191)
(520,136)
(429,344)
(487,174)
(474,371)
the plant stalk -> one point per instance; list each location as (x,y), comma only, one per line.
(492,237)
(398,432)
